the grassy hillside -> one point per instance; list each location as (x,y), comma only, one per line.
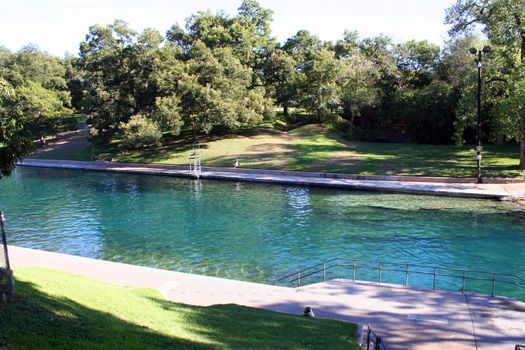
(56,310)
(309,148)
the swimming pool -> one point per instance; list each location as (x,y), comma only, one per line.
(249,231)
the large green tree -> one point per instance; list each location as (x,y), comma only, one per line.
(282,78)
(417,60)
(40,109)
(247,34)
(34,99)
(119,71)
(357,83)
(503,21)
(320,90)
(15,140)
(215,89)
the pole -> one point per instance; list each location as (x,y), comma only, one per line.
(9,274)
(4,241)
(478,129)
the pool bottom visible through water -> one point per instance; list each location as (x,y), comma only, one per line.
(258,232)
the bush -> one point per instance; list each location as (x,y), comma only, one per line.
(140,132)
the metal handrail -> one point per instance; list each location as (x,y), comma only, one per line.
(374,341)
(403,264)
(452,272)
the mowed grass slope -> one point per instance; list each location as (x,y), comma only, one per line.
(56,310)
(314,148)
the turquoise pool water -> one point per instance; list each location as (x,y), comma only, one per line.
(249,231)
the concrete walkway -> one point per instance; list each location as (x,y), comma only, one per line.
(406,318)
(448,187)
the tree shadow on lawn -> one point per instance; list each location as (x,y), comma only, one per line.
(37,320)
(289,157)
(263,160)
(435,160)
(262,329)
(40,321)
(181,145)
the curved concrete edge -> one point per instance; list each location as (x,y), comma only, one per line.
(468,190)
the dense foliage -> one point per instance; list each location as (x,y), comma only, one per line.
(140,132)
(34,99)
(503,22)
(223,71)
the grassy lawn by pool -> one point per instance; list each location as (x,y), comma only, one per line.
(311,148)
(56,310)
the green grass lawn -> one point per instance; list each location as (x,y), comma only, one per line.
(313,148)
(57,310)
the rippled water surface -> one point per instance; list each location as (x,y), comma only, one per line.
(249,231)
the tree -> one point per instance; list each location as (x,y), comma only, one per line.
(119,67)
(417,60)
(456,63)
(34,98)
(320,90)
(214,89)
(357,83)
(512,109)
(247,34)
(32,64)
(140,132)
(15,140)
(503,21)
(348,46)
(105,59)
(301,46)
(431,113)
(251,32)
(41,109)
(282,78)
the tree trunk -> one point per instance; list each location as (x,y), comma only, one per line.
(285,109)
(522,45)
(500,139)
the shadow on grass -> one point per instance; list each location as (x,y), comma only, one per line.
(261,329)
(437,160)
(36,320)
(319,149)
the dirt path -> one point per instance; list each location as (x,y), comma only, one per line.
(66,145)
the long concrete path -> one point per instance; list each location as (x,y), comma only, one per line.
(502,190)
(408,319)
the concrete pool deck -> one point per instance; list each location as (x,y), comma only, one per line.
(407,319)
(496,189)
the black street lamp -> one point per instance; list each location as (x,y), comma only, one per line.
(479,148)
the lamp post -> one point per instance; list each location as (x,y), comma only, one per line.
(479,148)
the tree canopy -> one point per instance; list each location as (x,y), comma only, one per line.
(503,22)
(34,96)
(220,71)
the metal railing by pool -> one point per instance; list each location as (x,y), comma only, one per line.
(481,281)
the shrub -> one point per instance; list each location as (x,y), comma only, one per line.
(140,132)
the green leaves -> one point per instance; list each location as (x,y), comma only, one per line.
(34,99)
(503,22)
(216,90)
(140,132)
